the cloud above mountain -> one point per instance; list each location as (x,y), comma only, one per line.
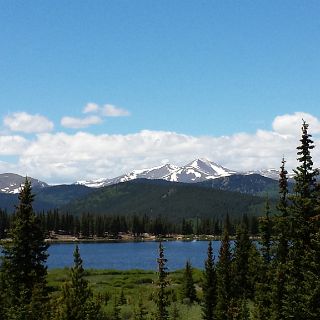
(28,123)
(58,157)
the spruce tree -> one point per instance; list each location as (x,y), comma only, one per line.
(302,209)
(23,269)
(224,294)
(262,298)
(141,311)
(76,301)
(280,247)
(209,286)
(188,289)
(240,263)
(162,301)
(265,227)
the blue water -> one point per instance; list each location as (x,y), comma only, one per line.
(131,255)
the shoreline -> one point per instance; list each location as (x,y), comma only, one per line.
(72,239)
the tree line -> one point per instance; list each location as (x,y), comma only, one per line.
(278,279)
(101,226)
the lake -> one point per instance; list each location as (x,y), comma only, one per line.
(131,255)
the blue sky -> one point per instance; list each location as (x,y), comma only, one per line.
(192,68)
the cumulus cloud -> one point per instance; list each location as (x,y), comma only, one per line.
(64,158)
(28,123)
(91,107)
(12,145)
(109,110)
(291,123)
(77,123)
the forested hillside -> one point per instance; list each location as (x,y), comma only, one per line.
(175,200)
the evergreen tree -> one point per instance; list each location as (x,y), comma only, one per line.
(224,276)
(188,290)
(265,234)
(280,247)
(122,298)
(141,311)
(300,259)
(162,301)
(209,286)
(240,264)
(262,298)
(76,302)
(116,310)
(23,269)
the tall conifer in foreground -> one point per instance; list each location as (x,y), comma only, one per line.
(188,290)
(262,297)
(280,247)
(224,295)
(162,301)
(300,275)
(209,286)
(76,301)
(23,269)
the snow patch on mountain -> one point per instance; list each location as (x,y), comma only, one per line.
(195,171)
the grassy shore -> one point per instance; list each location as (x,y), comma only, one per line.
(108,285)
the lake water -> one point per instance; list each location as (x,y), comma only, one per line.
(131,255)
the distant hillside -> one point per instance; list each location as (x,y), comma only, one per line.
(47,198)
(154,197)
(254,184)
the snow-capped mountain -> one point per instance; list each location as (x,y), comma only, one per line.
(270,173)
(11,183)
(195,171)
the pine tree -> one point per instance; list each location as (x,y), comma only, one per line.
(116,310)
(265,234)
(141,311)
(76,302)
(262,298)
(188,290)
(162,301)
(304,199)
(23,269)
(209,286)
(240,263)
(302,210)
(280,247)
(224,295)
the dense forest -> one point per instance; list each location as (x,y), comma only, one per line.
(278,279)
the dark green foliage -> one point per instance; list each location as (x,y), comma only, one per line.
(23,269)
(240,264)
(188,289)
(209,286)
(177,200)
(162,301)
(224,293)
(280,248)
(116,310)
(76,301)
(265,234)
(262,297)
(122,298)
(141,312)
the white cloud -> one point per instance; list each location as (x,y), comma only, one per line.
(28,123)
(76,123)
(12,145)
(61,157)
(291,123)
(91,107)
(109,110)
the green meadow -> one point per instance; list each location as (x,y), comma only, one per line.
(130,287)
